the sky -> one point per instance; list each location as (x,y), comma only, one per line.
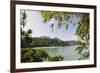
(39,28)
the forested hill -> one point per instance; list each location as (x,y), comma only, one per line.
(47,41)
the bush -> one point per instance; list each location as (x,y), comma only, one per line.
(33,55)
(55,58)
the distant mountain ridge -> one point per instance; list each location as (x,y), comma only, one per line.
(48,41)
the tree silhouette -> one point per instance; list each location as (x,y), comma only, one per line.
(26,38)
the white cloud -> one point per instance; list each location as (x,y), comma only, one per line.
(72,38)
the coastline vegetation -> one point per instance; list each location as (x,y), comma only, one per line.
(37,55)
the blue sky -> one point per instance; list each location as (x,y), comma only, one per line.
(39,28)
